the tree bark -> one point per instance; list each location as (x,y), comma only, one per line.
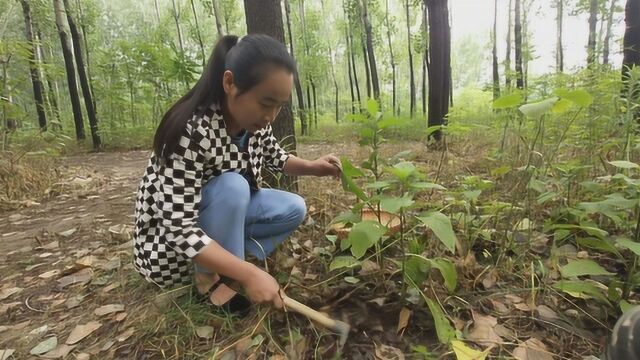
(67,54)
(348,54)
(155,3)
(198,34)
(412,83)
(353,65)
(34,67)
(176,18)
(83,31)
(507,59)
(296,77)
(392,60)
(559,47)
(631,40)
(425,59)
(494,52)
(265,16)
(593,22)
(439,64)
(84,82)
(518,45)
(371,54)
(215,9)
(607,37)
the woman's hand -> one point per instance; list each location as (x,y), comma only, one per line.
(328,165)
(262,288)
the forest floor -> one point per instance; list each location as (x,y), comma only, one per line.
(68,285)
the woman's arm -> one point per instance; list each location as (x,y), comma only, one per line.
(328,165)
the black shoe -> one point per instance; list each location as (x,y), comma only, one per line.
(625,337)
(238,305)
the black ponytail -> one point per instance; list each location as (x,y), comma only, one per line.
(248,59)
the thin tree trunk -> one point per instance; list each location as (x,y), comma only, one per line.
(296,76)
(155,3)
(494,52)
(412,83)
(84,82)
(62,26)
(559,47)
(371,53)
(425,59)
(83,30)
(353,66)
(631,43)
(393,62)
(265,16)
(315,105)
(198,34)
(176,18)
(507,59)
(50,96)
(593,22)
(34,67)
(439,64)
(607,37)
(348,54)
(367,69)
(333,72)
(518,45)
(526,51)
(311,102)
(216,14)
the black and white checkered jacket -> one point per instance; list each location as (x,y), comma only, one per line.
(166,235)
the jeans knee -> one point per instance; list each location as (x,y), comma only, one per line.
(298,208)
(229,192)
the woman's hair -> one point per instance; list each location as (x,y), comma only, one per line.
(249,59)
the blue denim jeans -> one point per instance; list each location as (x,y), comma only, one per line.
(241,220)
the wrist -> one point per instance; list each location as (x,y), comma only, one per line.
(247,273)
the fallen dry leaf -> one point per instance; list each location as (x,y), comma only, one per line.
(125,335)
(108,309)
(49,274)
(403,320)
(483,331)
(45,346)
(40,330)
(120,316)
(81,277)
(82,331)
(532,349)
(204,332)
(90,261)
(83,356)
(6,307)
(21,325)
(6,353)
(59,352)
(546,313)
(490,279)
(385,352)
(5,293)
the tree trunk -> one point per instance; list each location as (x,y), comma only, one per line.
(216,14)
(265,16)
(84,82)
(50,98)
(34,66)
(425,59)
(367,69)
(296,77)
(393,62)
(412,83)
(353,66)
(439,64)
(348,54)
(607,37)
(518,45)
(176,18)
(333,70)
(370,52)
(631,40)
(62,26)
(494,53)
(593,22)
(86,50)
(559,47)
(507,59)
(198,34)
(155,3)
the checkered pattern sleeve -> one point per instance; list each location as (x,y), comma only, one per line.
(181,183)
(275,157)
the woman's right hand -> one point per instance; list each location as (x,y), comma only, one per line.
(262,288)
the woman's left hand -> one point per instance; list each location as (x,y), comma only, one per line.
(328,165)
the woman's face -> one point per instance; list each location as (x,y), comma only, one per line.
(258,107)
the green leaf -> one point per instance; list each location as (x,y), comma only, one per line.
(580,289)
(472,195)
(385,123)
(507,101)
(364,235)
(579,96)
(340,262)
(623,164)
(561,106)
(448,271)
(599,244)
(583,267)
(440,224)
(464,352)
(416,268)
(394,204)
(351,279)
(426,186)
(403,170)
(372,106)
(378,185)
(445,331)
(626,306)
(537,109)
(348,173)
(629,244)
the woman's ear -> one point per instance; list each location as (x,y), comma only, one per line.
(227,83)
